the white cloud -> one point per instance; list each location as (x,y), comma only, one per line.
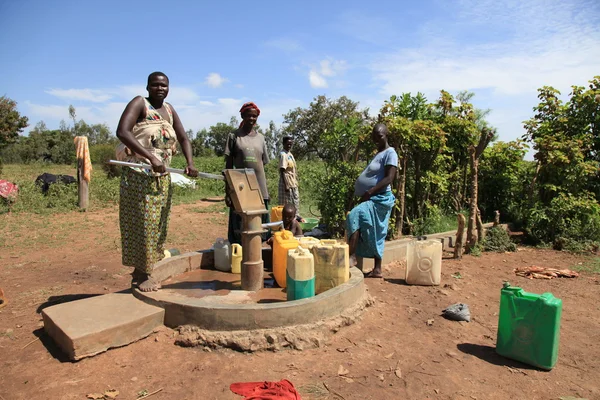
(215,80)
(316,80)
(96,96)
(41,111)
(195,116)
(327,68)
(515,47)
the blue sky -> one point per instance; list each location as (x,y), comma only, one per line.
(219,54)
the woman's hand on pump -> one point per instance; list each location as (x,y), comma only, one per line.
(157,165)
(191,171)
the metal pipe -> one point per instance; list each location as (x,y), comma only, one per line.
(276,224)
(252,262)
(168,169)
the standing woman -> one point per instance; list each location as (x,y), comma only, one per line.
(246,148)
(367,223)
(148,130)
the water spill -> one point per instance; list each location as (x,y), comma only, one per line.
(202,283)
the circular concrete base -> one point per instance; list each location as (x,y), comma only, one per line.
(238,310)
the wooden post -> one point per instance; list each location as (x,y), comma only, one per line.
(82,186)
(480,228)
(458,245)
(496,218)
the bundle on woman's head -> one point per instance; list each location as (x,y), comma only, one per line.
(249,106)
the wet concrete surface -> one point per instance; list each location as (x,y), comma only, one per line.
(202,283)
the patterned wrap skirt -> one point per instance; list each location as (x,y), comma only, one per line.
(371,219)
(144,207)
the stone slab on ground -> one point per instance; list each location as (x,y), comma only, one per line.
(86,327)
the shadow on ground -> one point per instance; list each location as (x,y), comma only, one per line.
(488,354)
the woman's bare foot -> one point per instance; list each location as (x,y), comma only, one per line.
(149,284)
(374,274)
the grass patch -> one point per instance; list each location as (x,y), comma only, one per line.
(592,266)
(435,222)
(104,191)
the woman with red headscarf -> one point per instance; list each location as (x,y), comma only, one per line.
(246,148)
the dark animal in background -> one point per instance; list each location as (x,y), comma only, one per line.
(45,180)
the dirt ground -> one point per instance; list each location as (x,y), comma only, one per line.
(392,353)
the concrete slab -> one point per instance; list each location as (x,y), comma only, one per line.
(234,312)
(86,327)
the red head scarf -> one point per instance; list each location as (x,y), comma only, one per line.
(246,107)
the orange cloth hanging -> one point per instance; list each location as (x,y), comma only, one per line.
(83,153)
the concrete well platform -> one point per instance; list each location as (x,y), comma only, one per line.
(193,294)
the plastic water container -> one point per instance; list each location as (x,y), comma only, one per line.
(171,253)
(529,327)
(332,264)
(424,262)
(236,258)
(282,242)
(300,274)
(276,213)
(222,255)
(308,242)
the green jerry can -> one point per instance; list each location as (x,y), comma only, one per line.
(529,327)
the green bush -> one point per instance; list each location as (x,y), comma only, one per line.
(434,220)
(336,195)
(498,240)
(60,198)
(100,154)
(568,222)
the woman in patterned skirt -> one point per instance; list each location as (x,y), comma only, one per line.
(149,129)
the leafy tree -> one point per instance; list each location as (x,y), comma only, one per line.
(420,142)
(566,138)
(96,133)
(503,177)
(54,146)
(217,134)
(11,122)
(475,152)
(273,137)
(313,126)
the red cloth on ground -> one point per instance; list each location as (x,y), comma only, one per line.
(282,390)
(8,189)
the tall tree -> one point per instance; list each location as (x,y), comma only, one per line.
(273,136)
(217,135)
(474,228)
(309,126)
(566,138)
(11,122)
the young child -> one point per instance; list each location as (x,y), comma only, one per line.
(290,223)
